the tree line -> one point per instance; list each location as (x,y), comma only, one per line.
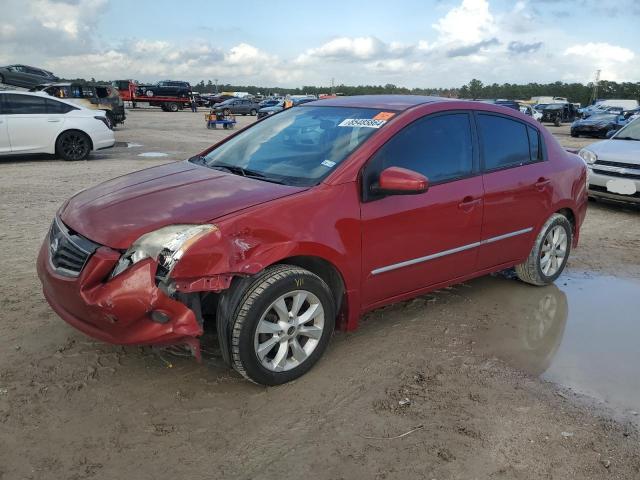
(475,89)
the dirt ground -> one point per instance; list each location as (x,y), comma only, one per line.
(74,408)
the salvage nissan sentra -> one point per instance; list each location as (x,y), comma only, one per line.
(308,219)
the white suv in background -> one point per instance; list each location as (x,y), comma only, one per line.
(38,123)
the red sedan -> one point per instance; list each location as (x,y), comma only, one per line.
(309,218)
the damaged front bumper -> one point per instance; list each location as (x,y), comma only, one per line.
(129,309)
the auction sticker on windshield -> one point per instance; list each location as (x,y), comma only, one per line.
(362,122)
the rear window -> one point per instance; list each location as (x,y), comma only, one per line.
(506,143)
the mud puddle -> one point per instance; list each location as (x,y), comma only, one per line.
(582,333)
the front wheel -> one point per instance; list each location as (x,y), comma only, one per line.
(73,145)
(549,254)
(253,112)
(282,325)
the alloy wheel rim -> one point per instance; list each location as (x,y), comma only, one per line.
(74,146)
(289,331)
(554,251)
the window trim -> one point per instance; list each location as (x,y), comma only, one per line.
(541,144)
(366,196)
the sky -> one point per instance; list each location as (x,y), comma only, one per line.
(439,43)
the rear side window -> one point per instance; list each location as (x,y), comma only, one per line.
(440,147)
(506,143)
(24,104)
(58,107)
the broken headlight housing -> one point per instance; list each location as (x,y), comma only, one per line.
(166,246)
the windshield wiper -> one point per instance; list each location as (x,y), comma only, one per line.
(626,138)
(199,160)
(247,173)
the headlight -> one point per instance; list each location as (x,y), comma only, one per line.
(588,156)
(166,245)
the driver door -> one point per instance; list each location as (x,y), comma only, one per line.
(413,241)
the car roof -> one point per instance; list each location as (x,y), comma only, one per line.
(382,102)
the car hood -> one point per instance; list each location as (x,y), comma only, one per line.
(117,212)
(622,151)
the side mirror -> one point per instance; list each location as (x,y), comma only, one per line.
(611,133)
(400,181)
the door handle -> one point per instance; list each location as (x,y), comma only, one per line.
(542,183)
(468,203)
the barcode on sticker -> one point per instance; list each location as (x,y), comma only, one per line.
(362,122)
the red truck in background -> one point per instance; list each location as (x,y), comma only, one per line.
(133,92)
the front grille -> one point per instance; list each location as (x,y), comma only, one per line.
(631,176)
(68,250)
(617,164)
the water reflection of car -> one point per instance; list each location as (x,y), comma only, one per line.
(25,76)
(95,97)
(614,165)
(597,125)
(528,341)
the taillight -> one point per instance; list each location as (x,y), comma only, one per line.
(105,121)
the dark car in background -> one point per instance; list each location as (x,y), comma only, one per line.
(215,99)
(25,76)
(238,106)
(597,125)
(278,107)
(91,96)
(166,88)
(558,113)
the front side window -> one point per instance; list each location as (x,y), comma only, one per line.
(299,146)
(504,142)
(439,147)
(24,105)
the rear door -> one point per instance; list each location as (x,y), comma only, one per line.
(517,187)
(31,127)
(5,145)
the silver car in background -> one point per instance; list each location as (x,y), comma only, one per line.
(614,165)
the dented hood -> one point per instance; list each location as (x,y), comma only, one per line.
(117,212)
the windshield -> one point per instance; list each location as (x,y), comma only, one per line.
(630,131)
(299,146)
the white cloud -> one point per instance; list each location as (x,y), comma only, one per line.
(615,62)
(471,22)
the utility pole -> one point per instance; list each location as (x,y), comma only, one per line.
(216,80)
(333,85)
(594,93)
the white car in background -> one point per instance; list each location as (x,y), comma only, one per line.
(614,165)
(34,122)
(532,112)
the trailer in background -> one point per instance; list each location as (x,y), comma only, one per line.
(130,92)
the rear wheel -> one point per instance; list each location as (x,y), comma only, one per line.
(557,121)
(172,107)
(227,111)
(253,112)
(549,254)
(73,145)
(282,325)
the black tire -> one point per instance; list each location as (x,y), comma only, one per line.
(173,107)
(226,111)
(557,121)
(73,145)
(574,134)
(531,271)
(256,302)
(253,112)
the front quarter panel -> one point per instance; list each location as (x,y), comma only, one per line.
(322,222)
